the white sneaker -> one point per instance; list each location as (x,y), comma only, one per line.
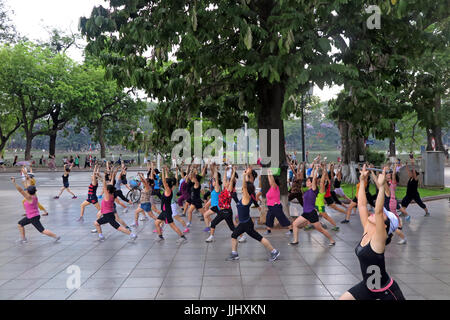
(210,239)
(125,210)
(242,239)
(144,218)
(101,238)
(402,241)
(94,231)
(181,240)
(188,224)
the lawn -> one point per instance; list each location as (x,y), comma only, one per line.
(350,191)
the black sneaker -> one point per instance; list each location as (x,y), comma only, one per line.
(233,256)
(345,221)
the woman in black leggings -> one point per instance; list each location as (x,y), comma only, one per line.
(412,192)
(245,222)
(378,230)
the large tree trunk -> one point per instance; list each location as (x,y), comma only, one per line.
(392,151)
(29,140)
(101,139)
(52,143)
(352,146)
(271,97)
(435,130)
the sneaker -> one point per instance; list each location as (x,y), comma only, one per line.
(345,221)
(293,243)
(243,239)
(80,219)
(74,197)
(427,214)
(274,255)
(324,226)
(289,233)
(402,241)
(94,231)
(159,239)
(332,244)
(181,240)
(125,210)
(267,233)
(408,218)
(207,229)
(210,239)
(133,237)
(57,238)
(183,215)
(233,256)
(308,227)
(144,218)
(335,228)
(56,197)
(186,230)
(188,224)
(23,241)
(135,225)
(101,238)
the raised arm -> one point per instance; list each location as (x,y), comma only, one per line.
(378,242)
(413,171)
(362,199)
(233,176)
(144,182)
(314,181)
(323,179)
(22,192)
(164,174)
(272,182)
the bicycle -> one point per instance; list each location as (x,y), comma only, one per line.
(134,195)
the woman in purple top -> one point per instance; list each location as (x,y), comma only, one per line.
(310,215)
(32,212)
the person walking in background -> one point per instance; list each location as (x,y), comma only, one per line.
(77,162)
(15,160)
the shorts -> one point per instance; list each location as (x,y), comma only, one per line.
(35,221)
(215,209)
(174,209)
(166,216)
(66,185)
(206,195)
(92,200)
(276,211)
(335,198)
(146,206)
(196,202)
(109,218)
(312,216)
(320,209)
(224,214)
(361,292)
(247,227)
(329,201)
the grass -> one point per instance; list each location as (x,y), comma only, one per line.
(350,191)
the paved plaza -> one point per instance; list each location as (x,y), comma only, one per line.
(117,269)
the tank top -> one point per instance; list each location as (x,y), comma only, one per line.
(92,191)
(367,257)
(243,211)
(145,196)
(273,196)
(107,205)
(411,188)
(214,198)
(166,203)
(225,199)
(328,191)
(31,209)
(65,179)
(309,200)
(337,183)
(320,199)
(196,193)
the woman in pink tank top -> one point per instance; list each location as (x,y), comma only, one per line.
(32,213)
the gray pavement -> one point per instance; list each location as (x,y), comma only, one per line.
(117,269)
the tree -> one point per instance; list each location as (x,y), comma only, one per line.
(225,58)
(7,29)
(105,108)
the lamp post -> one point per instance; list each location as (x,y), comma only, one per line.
(308,94)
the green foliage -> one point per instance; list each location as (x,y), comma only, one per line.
(376,158)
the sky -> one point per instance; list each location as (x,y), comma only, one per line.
(32,17)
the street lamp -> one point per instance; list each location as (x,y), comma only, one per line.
(305,100)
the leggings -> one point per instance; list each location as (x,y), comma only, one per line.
(109,218)
(361,292)
(416,197)
(224,214)
(276,211)
(119,194)
(335,198)
(247,227)
(34,221)
(182,199)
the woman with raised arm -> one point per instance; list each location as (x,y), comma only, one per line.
(275,209)
(337,185)
(65,178)
(225,210)
(31,181)
(92,193)
(296,191)
(320,200)
(246,223)
(32,213)
(146,205)
(166,209)
(215,191)
(391,204)
(378,229)
(108,212)
(175,212)
(309,213)
(330,201)
(195,202)
(412,192)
